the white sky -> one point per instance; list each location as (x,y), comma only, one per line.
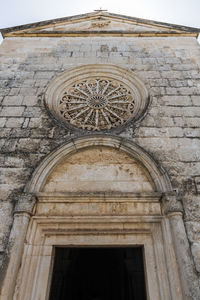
(19,12)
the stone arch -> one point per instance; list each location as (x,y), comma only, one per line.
(82,220)
(157,174)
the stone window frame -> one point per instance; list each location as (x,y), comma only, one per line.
(58,85)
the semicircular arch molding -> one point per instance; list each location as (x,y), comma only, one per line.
(157,174)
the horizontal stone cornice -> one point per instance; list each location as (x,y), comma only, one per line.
(100,33)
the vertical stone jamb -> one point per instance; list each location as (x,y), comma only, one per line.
(22,213)
(172,208)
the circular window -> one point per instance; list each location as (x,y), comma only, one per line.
(96,97)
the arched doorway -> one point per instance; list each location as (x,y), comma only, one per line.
(98,192)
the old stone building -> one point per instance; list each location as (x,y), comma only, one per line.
(100,170)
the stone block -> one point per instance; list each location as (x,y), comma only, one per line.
(19,132)
(41,82)
(158,82)
(177,111)
(2,122)
(191,74)
(14,91)
(12,111)
(35,122)
(28,82)
(157,91)
(5,132)
(173,60)
(191,205)
(161,67)
(2,142)
(192,122)
(32,112)
(196,254)
(160,132)
(180,121)
(44,75)
(181,91)
(196,100)
(9,145)
(28,145)
(171,74)
(192,132)
(193,231)
(4,92)
(28,91)
(178,83)
(39,132)
(14,177)
(30,100)
(16,161)
(184,67)
(13,100)
(176,100)
(14,122)
(149,74)
(26,122)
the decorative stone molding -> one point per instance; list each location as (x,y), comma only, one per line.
(97,97)
(156,172)
(100,22)
(171,204)
(25,203)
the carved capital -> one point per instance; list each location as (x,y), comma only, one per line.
(171,203)
(25,203)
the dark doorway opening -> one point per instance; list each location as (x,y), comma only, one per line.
(98,274)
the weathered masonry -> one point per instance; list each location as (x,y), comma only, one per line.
(100,160)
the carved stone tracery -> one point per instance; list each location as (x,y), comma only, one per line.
(97,104)
(97,97)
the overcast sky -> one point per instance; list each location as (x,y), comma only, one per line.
(19,12)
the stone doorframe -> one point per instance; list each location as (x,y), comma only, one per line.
(156,224)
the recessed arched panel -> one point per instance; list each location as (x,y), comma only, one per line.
(99,169)
(155,175)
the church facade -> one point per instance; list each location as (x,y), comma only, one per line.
(100,160)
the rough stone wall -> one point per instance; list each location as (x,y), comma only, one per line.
(169,132)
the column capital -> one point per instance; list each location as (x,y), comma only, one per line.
(171,203)
(25,203)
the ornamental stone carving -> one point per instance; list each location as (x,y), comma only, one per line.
(171,203)
(97,104)
(96,97)
(24,203)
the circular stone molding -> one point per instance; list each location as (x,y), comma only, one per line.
(96,97)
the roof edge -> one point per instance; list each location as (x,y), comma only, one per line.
(82,16)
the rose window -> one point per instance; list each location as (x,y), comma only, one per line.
(97,104)
(96,98)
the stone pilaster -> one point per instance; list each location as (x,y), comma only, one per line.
(172,208)
(22,213)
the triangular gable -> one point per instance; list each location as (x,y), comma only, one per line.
(99,23)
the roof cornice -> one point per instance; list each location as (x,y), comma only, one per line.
(31,29)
